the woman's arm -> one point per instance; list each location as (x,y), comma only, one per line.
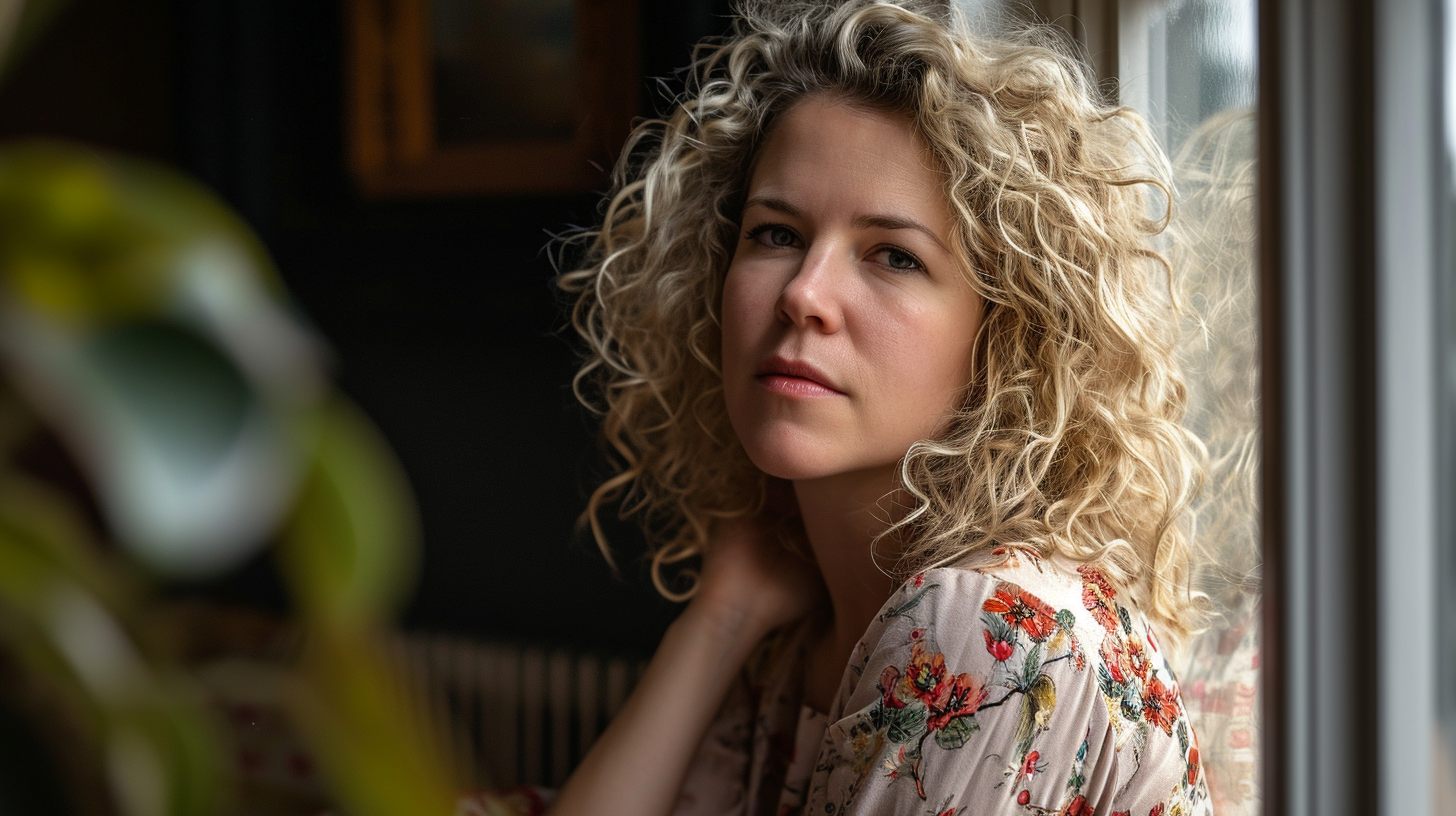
(750,585)
(638,764)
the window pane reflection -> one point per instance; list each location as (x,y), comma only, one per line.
(1189,67)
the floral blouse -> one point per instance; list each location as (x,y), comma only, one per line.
(1030,688)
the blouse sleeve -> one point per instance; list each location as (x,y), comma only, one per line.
(975,694)
(742,758)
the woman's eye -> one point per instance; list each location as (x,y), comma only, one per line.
(773,235)
(899,259)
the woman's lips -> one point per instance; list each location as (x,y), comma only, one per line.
(796,386)
(795,378)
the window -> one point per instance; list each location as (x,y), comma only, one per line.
(1334,107)
(1189,68)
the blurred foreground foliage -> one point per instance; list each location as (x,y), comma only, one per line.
(143,326)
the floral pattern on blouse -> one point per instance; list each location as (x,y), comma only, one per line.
(1031,688)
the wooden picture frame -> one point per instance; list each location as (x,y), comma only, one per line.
(395,146)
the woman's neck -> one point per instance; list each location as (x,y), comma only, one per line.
(842,516)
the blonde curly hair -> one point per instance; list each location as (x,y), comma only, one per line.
(1069,437)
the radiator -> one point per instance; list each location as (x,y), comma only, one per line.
(513,714)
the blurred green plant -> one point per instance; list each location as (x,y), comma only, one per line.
(144,326)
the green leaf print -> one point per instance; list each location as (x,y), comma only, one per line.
(1078,778)
(1132,704)
(1032,667)
(914,601)
(957,731)
(905,724)
(1066,619)
(998,627)
(1126,619)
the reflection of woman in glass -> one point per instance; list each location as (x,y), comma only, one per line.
(877,332)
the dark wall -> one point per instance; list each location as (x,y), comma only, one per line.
(102,73)
(441,313)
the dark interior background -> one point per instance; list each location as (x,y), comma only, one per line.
(441,313)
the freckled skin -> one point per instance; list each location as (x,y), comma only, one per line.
(844,262)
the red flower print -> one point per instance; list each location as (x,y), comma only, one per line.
(1028,766)
(889,679)
(926,673)
(1193,765)
(919,579)
(916,634)
(1137,659)
(960,696)
(1023,609)
(1116,658)
(1160,705)
(1078,807)
(1097,595)
(999,649)
(1023,798)
(1157,810)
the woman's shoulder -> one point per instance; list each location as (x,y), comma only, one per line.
(1055,581)
(1037,677)
(1031,594)
(1028,610)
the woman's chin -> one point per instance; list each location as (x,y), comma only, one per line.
(796,464)
(792,451)
(785,464)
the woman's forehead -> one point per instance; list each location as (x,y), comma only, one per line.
(833,156)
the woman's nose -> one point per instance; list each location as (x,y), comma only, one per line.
(811,299)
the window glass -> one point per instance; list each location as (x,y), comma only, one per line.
(1189,67)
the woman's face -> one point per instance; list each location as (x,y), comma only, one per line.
(847,321)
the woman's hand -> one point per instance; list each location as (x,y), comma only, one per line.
(752,576)
(750,583)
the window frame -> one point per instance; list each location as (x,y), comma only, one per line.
(1349,102)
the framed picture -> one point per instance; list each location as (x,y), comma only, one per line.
(483,97)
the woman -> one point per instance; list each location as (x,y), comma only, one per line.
(877,332)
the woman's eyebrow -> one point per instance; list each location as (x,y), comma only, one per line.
(894,223)
(774,204)
(863,222)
